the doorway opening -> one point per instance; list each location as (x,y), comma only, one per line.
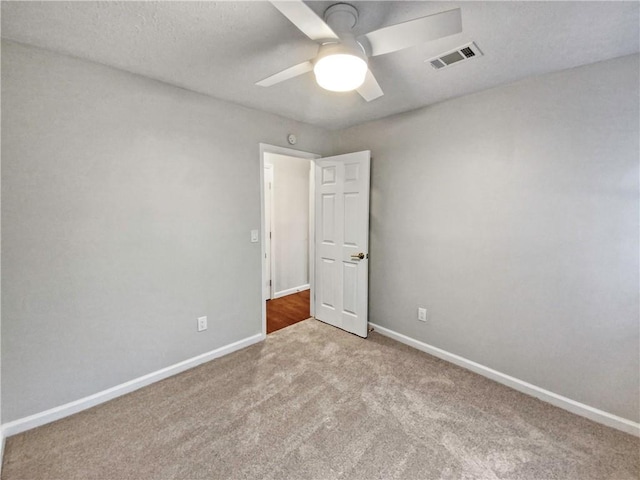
(287,190)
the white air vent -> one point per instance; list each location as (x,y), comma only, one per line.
(452,57)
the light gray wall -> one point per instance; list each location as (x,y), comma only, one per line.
(512,215)
(127,206)
(290,220)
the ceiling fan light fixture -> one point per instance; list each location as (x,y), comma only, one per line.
(340,72)
(342,61)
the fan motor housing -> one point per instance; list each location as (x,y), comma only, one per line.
(348,46)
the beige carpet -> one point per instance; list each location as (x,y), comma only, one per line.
(313,402)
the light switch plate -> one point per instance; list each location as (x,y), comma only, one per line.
(202,323)
(254,236)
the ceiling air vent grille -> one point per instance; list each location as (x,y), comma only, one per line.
(457,55)
(467,52)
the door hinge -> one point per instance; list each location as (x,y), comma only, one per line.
(269,234)
(269,282)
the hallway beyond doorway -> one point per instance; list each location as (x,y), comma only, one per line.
(285,311)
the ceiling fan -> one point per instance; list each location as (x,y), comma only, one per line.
(341,64)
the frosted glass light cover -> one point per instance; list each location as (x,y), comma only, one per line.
(340,72)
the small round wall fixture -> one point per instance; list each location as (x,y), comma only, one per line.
(292,139)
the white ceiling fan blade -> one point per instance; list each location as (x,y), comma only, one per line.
(370,90)
(306,20)
(290,72)
(414,32)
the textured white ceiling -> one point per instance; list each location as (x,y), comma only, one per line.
(223,48)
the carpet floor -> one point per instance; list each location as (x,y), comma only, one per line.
(313,402)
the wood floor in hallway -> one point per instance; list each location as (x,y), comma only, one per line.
(285,311)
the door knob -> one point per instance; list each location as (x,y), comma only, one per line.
(358,255)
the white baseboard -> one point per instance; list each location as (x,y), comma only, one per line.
(289,291)
(1,450)
(565,403)
(56,413)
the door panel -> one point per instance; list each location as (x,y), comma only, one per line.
(327,291)
(328,215)
(329,175)
(342,233)
(351,219)
(350,293)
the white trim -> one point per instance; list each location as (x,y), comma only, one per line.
(565,403)
(56,413)
(268,230)
(289,291)
(267,148)
(312,237)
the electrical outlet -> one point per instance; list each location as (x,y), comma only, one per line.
(422,314)
(202,323)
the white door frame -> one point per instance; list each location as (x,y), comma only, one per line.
(267,258)
(290,152)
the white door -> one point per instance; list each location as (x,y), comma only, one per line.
(342,241)
(267,291)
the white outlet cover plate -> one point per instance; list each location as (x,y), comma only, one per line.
(254,236)
(422,314)
(202,323)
